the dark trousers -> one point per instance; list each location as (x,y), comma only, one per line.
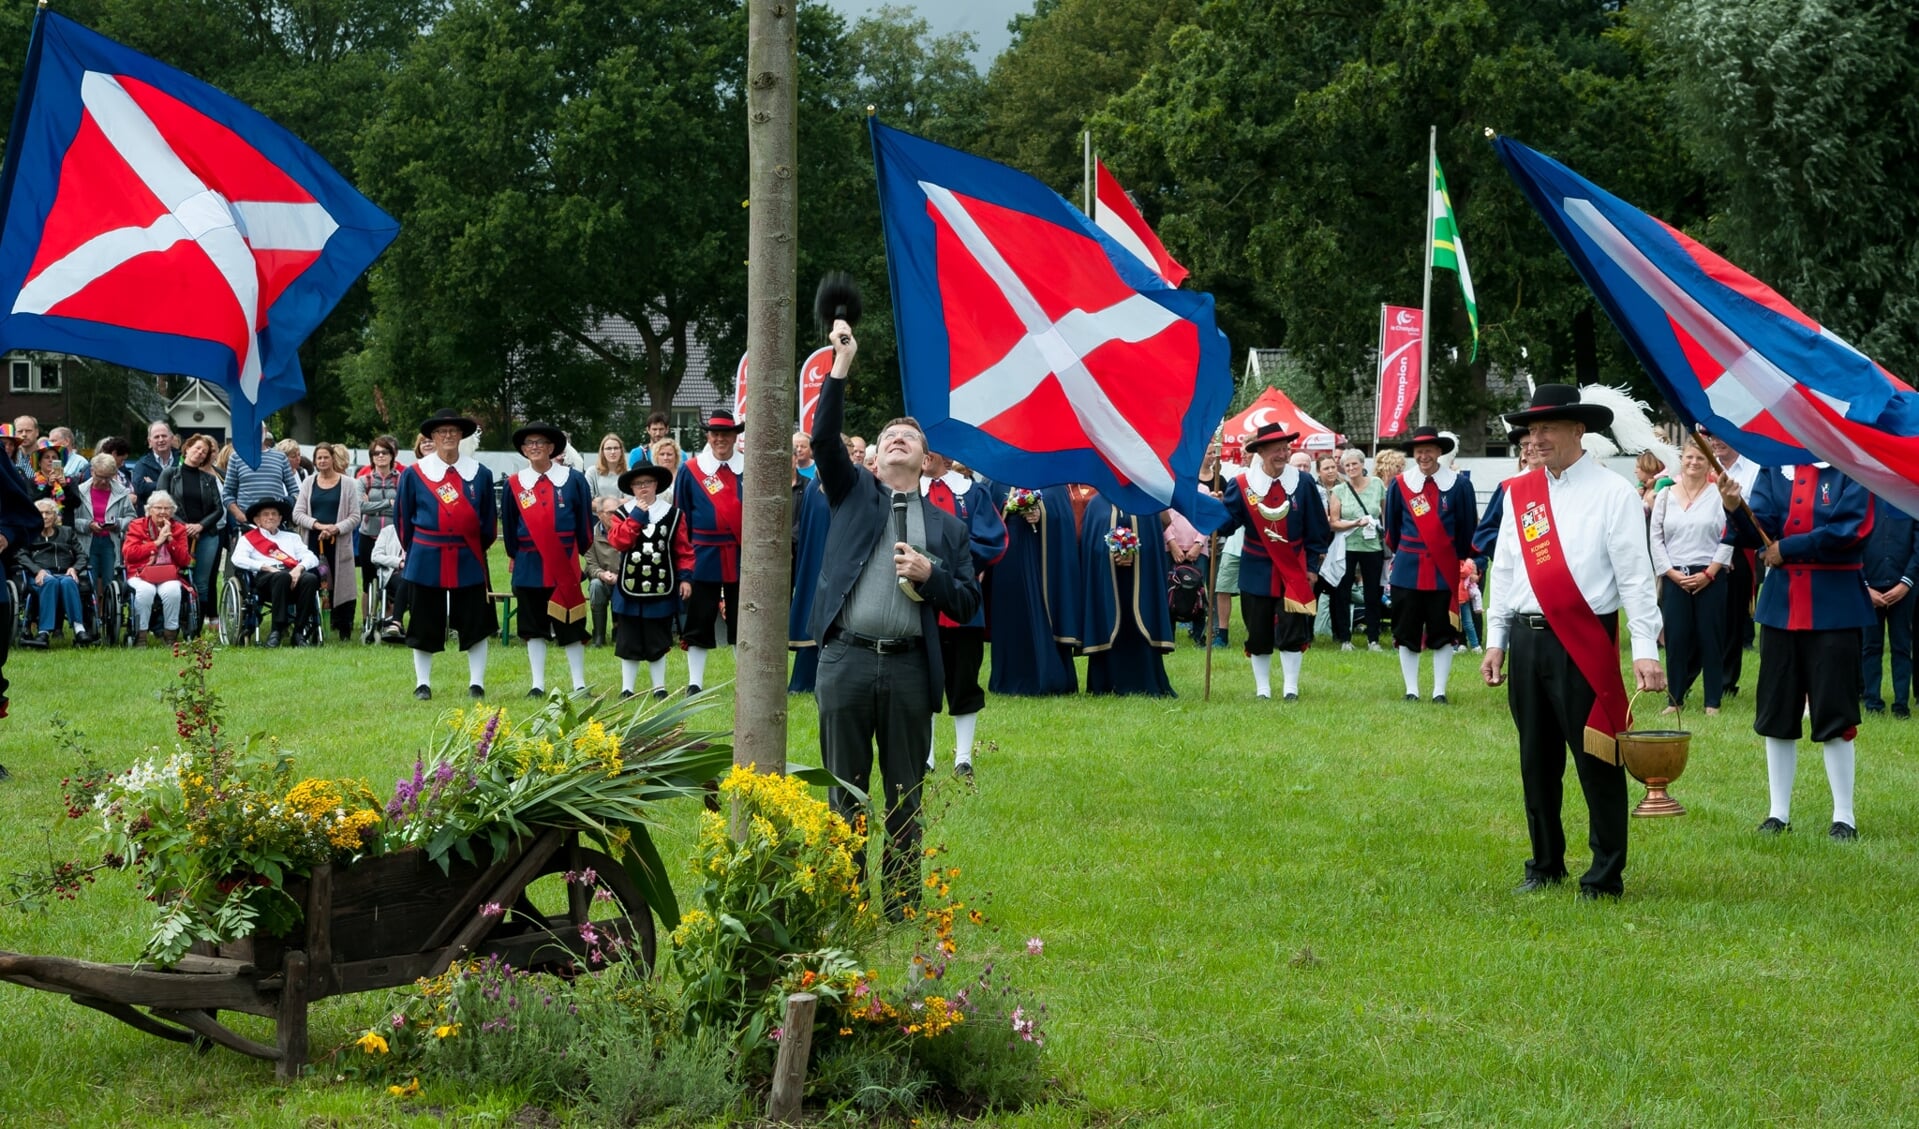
(1550,700)
(867,699)
(1423,619)
(1372,609)
(1808,671)
(703,611)
(431,611)
(1894,622)
(1695,638)
(1739,584)
(962,653)
(279,591)
(1270,627)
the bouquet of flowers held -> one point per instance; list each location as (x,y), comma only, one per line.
(1024,503)
(1123,543)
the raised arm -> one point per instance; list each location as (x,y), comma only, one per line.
(836,470)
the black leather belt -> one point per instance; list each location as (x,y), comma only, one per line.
(1529,619)
(877,646)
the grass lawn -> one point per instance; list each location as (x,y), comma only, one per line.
(1253,913)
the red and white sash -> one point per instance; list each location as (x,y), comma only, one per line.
(1440,553)
(457,518)
(559,560)
(270,549)
(1571,618)
(1288,557)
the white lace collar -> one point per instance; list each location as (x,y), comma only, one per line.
(708,464)
(1788,471)
(1417,481)
(654,513)
(556,474)
(433,468)
(958,483)
(1257,479)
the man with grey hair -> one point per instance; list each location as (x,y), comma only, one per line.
(63,438)
(162,455)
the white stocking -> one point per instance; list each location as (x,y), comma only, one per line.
(1839,767)
(1409,670)
(476,664)
(576,663)
(1782,759)
(1289,663)
(963,728)
(423,668)
(1442,668)
(657,669)
(536,659)
(1263,675)
(629,675)
(696,666)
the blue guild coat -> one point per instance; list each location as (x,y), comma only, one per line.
(572,518)
(1821,520)
(435,557)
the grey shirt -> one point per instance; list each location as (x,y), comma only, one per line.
(876,607)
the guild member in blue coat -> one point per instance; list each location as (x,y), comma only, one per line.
(19,523)
(1128,627)
(894,564)
(1430,516)
(1287,534)
(1812,607)
(709,495)
(655,557)
(1486,533)
(1034,593)
(1891,571)
(549,523)
(963,645)
(447,520)
(811,516)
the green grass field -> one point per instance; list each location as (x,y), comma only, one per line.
(1254,914)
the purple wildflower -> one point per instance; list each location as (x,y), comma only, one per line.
(1034,946)
(487,735)
(499,1023)
(399,1020)
(492,909)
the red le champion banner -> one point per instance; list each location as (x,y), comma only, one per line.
(813,373)
(1401,335)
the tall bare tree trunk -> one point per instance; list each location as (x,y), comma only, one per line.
(772,132)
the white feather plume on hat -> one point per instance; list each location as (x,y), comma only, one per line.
(1632,425)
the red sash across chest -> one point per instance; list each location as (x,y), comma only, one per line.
(270,549)
(559,558)
(1440,558)
(1268,535)
(1567,613)
(456,518)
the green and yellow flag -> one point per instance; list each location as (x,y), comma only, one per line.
(1447,251)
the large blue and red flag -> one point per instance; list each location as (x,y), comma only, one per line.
(1033,346)
(1724,348)
(149,220)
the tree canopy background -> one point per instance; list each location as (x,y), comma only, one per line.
(559,163)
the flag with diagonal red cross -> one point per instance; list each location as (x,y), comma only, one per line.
(149,220)
(1034,347)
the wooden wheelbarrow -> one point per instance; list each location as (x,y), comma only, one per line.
(381,923)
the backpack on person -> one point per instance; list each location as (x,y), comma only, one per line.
(1186,593)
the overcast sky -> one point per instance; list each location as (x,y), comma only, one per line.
(986,19)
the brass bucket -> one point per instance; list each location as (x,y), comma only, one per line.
(1655,757)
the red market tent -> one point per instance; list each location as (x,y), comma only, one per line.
(1273,406)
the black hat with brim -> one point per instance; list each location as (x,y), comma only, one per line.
(444,416)
(279,504)
(552,434)
(1427,436)
(1268,435)
(1518,435)
(719,419)
(1561,401)
(659,474)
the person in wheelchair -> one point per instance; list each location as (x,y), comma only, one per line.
(389,557)
(54,567)
(279,566)
(156,555)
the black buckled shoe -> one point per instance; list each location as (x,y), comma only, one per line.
(476,691)
(1774,826)
(423,693)
(1440,700)
(1843,832)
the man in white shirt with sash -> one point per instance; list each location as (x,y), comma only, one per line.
(1571,554)
(285,572)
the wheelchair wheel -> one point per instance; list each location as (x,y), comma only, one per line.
(17,599)
(109,614)
(234,630)
(189,612)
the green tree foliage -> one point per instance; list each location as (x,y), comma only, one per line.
(1802,113)
(1290,138)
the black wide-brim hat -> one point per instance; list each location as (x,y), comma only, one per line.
(281,504)
(444,416)
(553,435)
(659,474)
(1268,435)
(1561,401)
(1427,435)
(720,419)
(1518,435)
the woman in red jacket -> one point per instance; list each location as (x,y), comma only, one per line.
(156,553)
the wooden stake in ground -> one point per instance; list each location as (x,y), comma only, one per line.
(789,1070)
(766,581)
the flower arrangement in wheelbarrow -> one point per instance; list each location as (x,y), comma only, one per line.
(214,831)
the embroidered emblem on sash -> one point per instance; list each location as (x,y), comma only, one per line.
(1534,524)
(712,484)
(448,493)
(528,499)
(1420,506)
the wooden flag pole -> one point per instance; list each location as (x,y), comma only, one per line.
(1712,461)
(1212,609)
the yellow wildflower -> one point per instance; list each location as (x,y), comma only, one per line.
(446,1031)
(410,1090)
(372,1043)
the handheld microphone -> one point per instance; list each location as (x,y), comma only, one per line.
(899,530)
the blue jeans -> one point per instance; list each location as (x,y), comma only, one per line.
(103,557)
(1894,622)
(59,593)
(206,555)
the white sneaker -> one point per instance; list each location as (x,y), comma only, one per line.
(1345,646)
(1479,650)
(1373,647)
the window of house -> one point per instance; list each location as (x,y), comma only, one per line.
(22,380)
(49,376)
